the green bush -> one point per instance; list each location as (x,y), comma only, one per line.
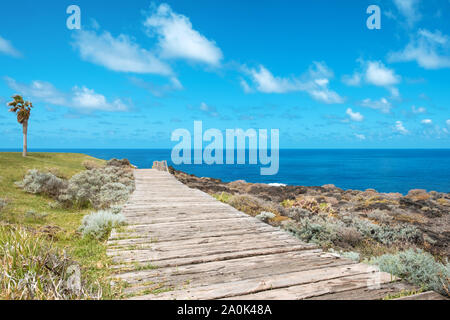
(386,234)
(99,224)
(100,187)
(350,230)
(417,267)
(265,216)
(324,232)
(45,183)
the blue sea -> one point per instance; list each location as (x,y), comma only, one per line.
(358,169)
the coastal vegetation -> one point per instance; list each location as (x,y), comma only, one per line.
(52,239)
(402,234)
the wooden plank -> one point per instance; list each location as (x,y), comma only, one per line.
(367,293)
(268,283)
(219,241)
(226,271)
(320,288)
(208,258)
(160,235)
(156,254)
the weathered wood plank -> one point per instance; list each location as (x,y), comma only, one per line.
(208,258)
(267,283)
(367,293)
(226,271)
(156,254)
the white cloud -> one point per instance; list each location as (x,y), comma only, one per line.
(158,90)
(360,136)
(87,99)
(245,86)
(40,90)
(177,38)
(377,74)
(355,116)
(448,122)
(315,82)
(431,50)
(426,121)
(409,9)
(117,54)
(208,110)
(374,73)
(7,48)
(418,110)
(79,98)
(353,80)
(383,104)
(400,128)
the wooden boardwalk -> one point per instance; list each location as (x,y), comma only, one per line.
(181,243)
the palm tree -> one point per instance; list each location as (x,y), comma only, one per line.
(23,110)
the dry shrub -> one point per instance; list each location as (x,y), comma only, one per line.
(89,164)
(254,206)
(312,205)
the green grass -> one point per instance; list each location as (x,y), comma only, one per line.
(57,225)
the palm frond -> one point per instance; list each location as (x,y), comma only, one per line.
(21,107)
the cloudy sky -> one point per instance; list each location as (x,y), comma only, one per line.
(137,70)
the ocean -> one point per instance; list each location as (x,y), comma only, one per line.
(359,169)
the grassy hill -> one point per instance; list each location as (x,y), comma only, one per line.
(43,218)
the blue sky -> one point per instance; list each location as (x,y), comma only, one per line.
(137,70)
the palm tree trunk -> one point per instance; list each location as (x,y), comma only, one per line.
(25,131)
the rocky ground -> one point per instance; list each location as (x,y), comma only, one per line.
(349,217)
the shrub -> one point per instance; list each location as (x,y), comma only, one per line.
(100,188)
(89,164)
(99,224)
(298,213)
(30,269)
(118,163)
(417,267)
(287,203)
(223,196)
(112,193)
(317,230)
(254,206)
(265,216)
(325,231)
(379,215)
(116,209)
(312,205)
(42,183)
(351,255)
(387,234)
